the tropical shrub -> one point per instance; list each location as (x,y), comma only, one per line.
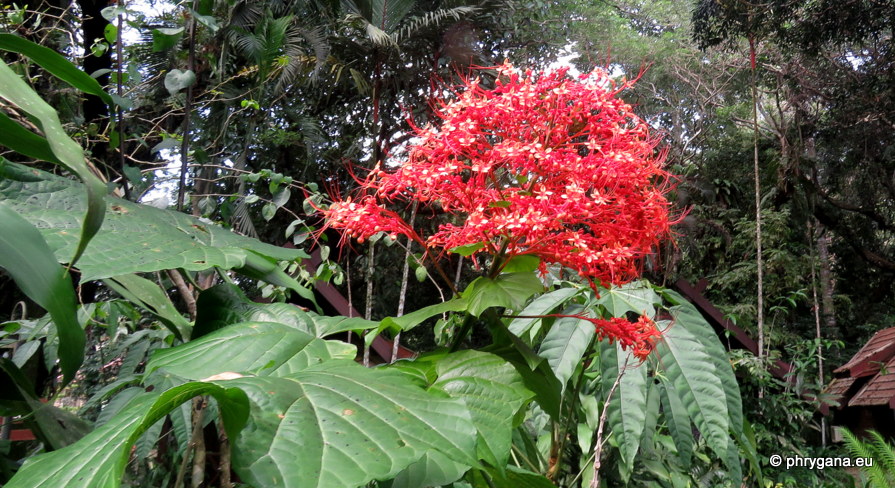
(557,192)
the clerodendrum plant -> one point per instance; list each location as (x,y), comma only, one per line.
(556,186)
(557,174)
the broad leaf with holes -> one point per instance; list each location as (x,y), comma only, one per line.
(343,425)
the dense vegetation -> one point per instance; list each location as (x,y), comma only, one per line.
(165,169)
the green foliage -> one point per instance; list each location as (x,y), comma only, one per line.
(134,238)
(510,290)
(26,257)
(876,448)
(690,375)
(65,150)
(523,411)
(99,458)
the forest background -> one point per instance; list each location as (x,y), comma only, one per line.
(251,113)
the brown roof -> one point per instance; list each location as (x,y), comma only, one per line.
(878,350)
(839,388)
(878,391)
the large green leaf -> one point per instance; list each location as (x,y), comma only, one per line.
(528,328)
(151,297)
(67,152)
(26,257)
(537,376)
(685,315)
(259,348)
(324,325)
(515,477)
(626,414)
(99,459)
(134,238)
(411,320)
(343,425)
(434,469)
(689,366)
(494,392)
(55,64)
(23,141)
(678,423)
(267,269)
(225,304)
(53,426)
(509,290)
(566,342)
(637,297)
(650,424)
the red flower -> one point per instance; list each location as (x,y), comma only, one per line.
(548,165)
(365,218)
(639,337)
(544,165)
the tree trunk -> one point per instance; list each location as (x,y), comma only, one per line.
(827,286)
(94,27)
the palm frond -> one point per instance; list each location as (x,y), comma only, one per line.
(241,221)
(388,14)
(311,131)
(885,455)
(376,35)
(245,14)
(272,31)
(246,42)
(379,36)
(881,452)
(377,18)
(298,61)
(433,19)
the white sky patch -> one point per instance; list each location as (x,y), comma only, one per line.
(567,54)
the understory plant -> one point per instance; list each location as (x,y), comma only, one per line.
(555,191)
(878,451)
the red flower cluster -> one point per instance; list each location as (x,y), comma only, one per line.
(548,165)
(544,165)
(364,218)
(640,337)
